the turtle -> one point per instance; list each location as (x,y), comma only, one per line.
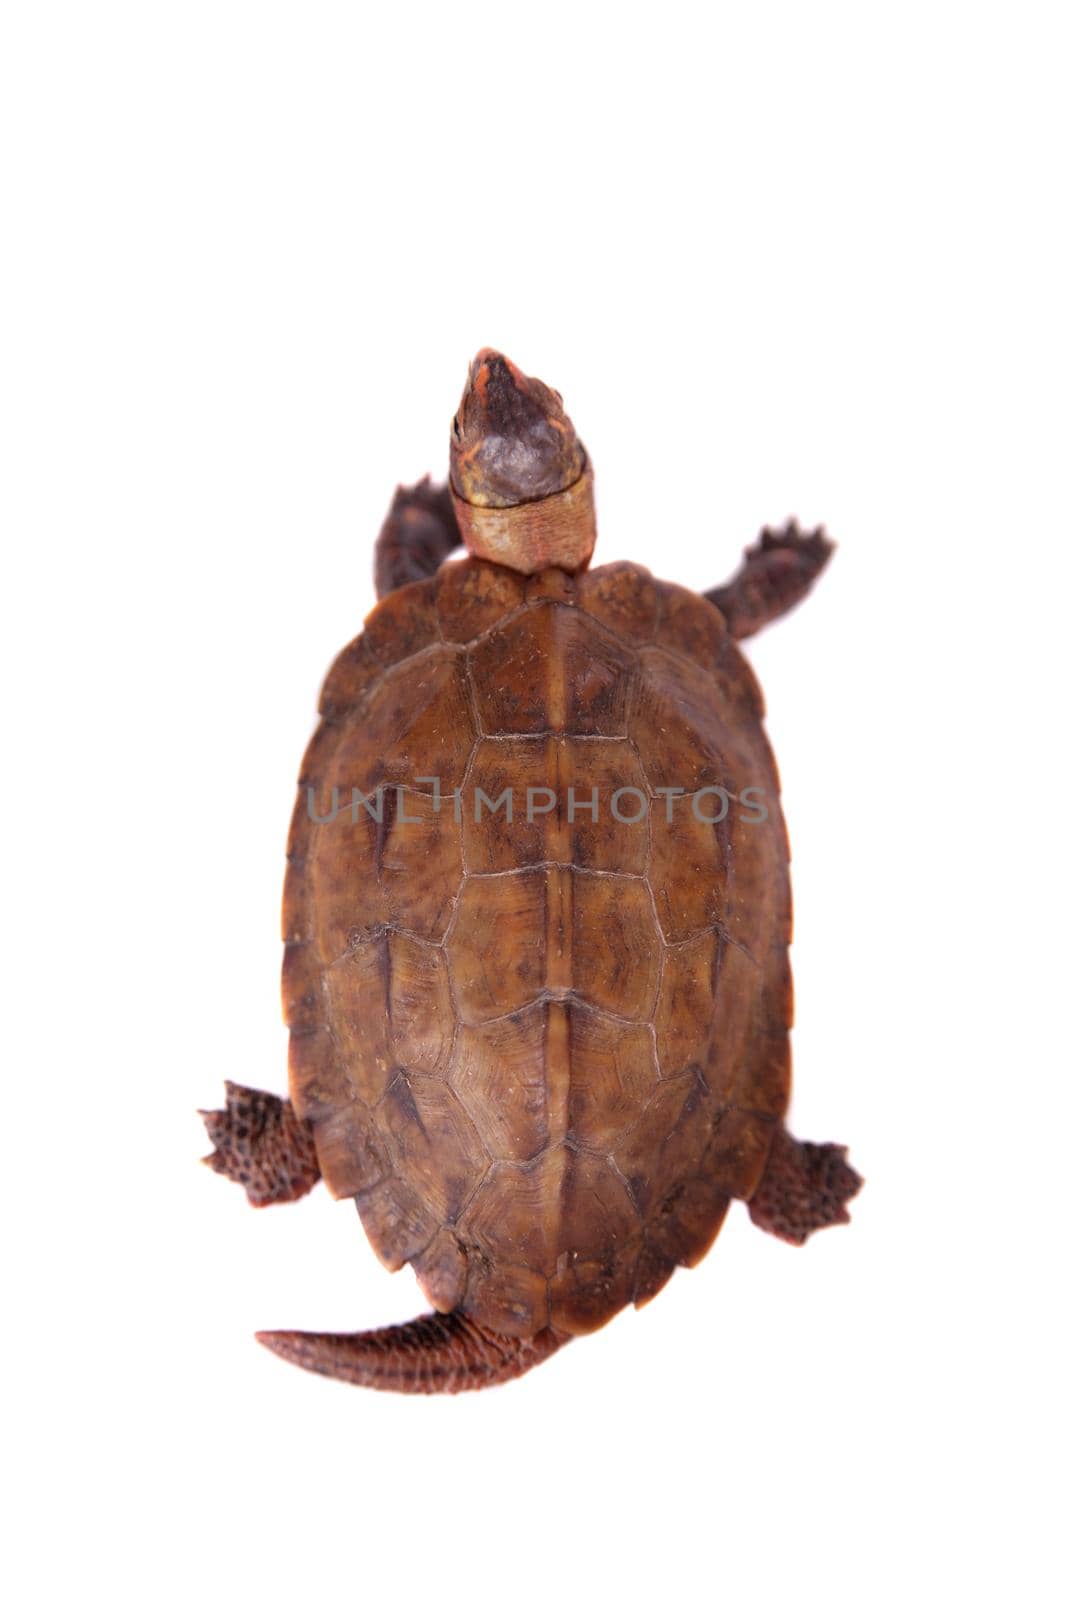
(537,919)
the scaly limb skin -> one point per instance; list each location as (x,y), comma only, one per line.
(261,1143)
(443,1353)
(418,534)
(775,575)
(804,1187)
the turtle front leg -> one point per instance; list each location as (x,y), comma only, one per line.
(775,575)
(260,1142)
(419,532)
(804,1187)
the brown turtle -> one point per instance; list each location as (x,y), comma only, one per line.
(537,918)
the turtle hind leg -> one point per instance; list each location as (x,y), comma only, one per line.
(804,1187)
(775,575)
(418,534)
(443,1353)
(261,1143)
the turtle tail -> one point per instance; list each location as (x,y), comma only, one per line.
(443,1353)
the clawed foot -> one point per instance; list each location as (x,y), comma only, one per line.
(418,534)
(262,1144)
(804,1187)
(776,574)
(793,537)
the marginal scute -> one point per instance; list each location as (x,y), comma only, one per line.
(689,1219)
(319,1082)
(690,624)
(754,847)
(398,1222)
(402,624)
(301,987)
(542,1054)
(598,1247)
(736,1153)
(317,757)
(624,597)
(738,985)
(506,1296)
(355,670)
(736,693)
(352,1152)
(682,1199)
(653,1272)
(588,1292)
(777,1007)
(762,1085)
(473,595)
(441,1269)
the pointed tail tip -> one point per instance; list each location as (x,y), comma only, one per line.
(442,1353)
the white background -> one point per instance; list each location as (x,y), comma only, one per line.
(778,259)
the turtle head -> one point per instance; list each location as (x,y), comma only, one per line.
(520,479)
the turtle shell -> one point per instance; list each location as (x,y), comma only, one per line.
(543,1052)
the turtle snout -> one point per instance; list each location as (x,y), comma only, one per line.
(512,441)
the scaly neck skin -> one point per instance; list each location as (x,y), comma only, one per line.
(520,479)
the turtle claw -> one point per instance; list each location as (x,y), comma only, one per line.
(776,574)
(813,546)
(261,1144)
(804,1187)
